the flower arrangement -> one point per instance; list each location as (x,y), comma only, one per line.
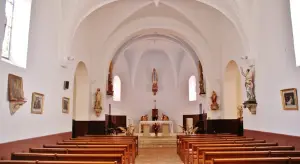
(155,128)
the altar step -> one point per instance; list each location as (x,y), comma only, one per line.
(160,141)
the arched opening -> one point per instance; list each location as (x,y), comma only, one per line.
(117,88)
(81,93)
(232,90)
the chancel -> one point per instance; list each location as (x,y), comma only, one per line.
(149,81)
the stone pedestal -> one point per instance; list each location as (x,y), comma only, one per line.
(146,128)
(165,130)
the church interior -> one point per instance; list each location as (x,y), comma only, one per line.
(149,81)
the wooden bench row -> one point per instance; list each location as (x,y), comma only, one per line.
(52,162)
(102,150)
(208,149)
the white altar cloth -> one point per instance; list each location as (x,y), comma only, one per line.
(159,122)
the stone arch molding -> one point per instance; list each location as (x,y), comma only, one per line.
(168,38)
(230,14)
(169,27)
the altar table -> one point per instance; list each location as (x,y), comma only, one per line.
(170,123)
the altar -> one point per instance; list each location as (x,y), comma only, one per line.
(163,124)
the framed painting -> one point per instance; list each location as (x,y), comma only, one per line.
(37,103)
(289,99)
(15,88)
(65,104)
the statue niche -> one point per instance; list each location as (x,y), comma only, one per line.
(110,86)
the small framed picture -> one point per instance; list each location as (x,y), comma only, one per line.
(289,99)
(65,104)
(37,103)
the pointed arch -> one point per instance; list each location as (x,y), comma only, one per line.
(192,88)
(117,88)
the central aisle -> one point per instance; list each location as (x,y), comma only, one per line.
(158,156)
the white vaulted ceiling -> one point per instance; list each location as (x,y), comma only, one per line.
(190,12)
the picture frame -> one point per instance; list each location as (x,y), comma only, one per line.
(289,99)
(15,88)
(65,105)
(37,103)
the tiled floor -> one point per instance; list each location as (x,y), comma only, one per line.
(158,156)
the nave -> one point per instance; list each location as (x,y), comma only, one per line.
(158,156)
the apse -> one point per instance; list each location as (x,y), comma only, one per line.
(159,60)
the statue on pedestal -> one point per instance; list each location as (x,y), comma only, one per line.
(154,81)
(110,86)
(98,99)
(250,86)
(214,105)
(201,80)
(249,83)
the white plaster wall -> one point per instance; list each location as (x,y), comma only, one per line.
(273,53)
(275,70)
(43,74)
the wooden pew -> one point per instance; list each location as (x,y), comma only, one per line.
(199,156)
(129,143)
(83,151)
(188,144)
(204,137)
(273,160)
(209,156)
(52,162)
(126,147)
(119,158)
(189,149)
(185,141)
(101,137)
(196,146)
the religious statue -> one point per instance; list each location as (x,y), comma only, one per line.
(110,86)
(249,83)
(98,99)
(143,118)
(164,117)
(214,105)
(154,81)
(201,80)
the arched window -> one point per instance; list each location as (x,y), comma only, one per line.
(295,12)
(117,88)
(15,40)
(192,89)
